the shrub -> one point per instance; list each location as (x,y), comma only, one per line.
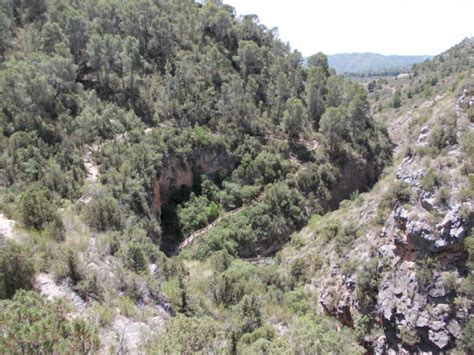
(16,269)
(126,307)
(299,270)
(103,213)
(220,260)
(297,302)
(430,179)
(444,133)
(184,335)
(348,232)
(361,327)
(367,284)
(442,196)
(331,229)
(270,275)
(397,99)
(424,271)
(35,208)
(103,313)
(230,286)
(68,264)
(263,336)
(196,213)
(133,257)
(469,248)
(467,340)
(90,287)
(399,192)
(409,336)
(29,325)
(55,229)
(311,335)
(467,143)
(249,313)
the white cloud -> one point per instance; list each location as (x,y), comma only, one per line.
(387,27)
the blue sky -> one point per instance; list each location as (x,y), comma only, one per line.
(388,27)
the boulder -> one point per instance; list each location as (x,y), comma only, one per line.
(438,290)
(439,338)
(454,328)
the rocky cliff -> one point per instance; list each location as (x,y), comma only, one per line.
(396,266)
(179,173)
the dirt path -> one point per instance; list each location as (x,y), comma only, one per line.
(6,226)
(92,170)
(260,260)
(199,233)
(310,145)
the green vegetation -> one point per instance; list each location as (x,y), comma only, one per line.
(16,270)
(373,64)
(207,84)
(28,324)
(130,127)
(186,335)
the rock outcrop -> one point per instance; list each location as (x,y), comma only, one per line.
(177,173)
(6,227)
(419,254)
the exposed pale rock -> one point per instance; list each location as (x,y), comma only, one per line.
(439,338)
(6,226)
(436,325)
(454,328)
(438,290)
(428,204)
(131,334)
(423,320)
(442,311)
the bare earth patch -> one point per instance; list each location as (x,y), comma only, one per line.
(92,170)
(46,285)
(6,226)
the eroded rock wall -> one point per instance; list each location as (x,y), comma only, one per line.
(418,253)
(178,173)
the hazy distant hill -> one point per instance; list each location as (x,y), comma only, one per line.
(364,63)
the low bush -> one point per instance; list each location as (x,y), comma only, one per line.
(30,325)
(35,207)
(103,213)
(16,269)
(189,335)
(431,179)
(367,284)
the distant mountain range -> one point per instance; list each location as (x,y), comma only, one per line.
(373,63)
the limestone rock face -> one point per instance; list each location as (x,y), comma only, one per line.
(336,300)
(422,235)
(177,174)
(420,259)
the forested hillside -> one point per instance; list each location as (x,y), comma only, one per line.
(371,64)
(158,159)
(397,262)
(129,125)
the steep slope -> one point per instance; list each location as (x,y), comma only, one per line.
(127,127)
(159,157)
(397,262)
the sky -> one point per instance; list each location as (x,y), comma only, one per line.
(404,27)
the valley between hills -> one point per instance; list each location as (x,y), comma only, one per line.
(174,179)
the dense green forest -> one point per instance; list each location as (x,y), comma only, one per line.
(156,154)
(80,73)
(209,85)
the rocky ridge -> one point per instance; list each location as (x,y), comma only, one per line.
(417,252)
